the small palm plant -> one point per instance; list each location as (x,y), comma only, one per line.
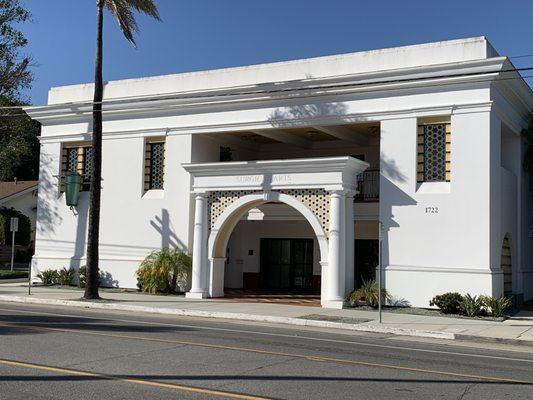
(368,292)
(161,270)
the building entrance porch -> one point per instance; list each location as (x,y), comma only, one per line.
(320,189)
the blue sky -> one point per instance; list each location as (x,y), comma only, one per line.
(207,34)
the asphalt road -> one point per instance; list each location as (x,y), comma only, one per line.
(60,353)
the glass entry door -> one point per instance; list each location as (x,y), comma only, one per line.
(286,264)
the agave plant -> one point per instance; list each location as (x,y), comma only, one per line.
(497,306)
(65,276)
(472,306)
(368,292)
(161,269)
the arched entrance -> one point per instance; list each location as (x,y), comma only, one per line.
(320,189)
(227,221)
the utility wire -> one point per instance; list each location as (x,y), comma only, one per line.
(191,95)
(341,86)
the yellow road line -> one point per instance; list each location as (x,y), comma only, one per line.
(308,357)
(162,385)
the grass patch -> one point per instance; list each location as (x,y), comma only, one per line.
(13,274)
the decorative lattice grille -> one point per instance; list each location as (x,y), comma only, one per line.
(77,158)
(154,165)
(220,200)
(87,165)
(317,200)
(434,142)
(72,160)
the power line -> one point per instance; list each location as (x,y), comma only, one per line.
(341,86)
(183,95)
(522,56)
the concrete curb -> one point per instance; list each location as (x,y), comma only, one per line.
(233,316)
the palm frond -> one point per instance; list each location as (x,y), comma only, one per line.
(123,10)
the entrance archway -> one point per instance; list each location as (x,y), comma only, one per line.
(227,221)
(320,189)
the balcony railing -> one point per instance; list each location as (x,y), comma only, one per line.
(368,185)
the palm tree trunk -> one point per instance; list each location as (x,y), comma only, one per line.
(91,287)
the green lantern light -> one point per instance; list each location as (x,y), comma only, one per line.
(72,188)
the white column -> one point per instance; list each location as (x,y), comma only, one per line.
(349,244)
(199,259)
(336,255)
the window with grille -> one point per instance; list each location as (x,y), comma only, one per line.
(154,164)
(77,158)
(434,153)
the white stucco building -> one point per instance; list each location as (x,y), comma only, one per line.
(274,176)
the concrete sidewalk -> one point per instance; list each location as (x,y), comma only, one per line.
(516,330)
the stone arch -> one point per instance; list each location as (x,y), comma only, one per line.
(506,264)
(226,222)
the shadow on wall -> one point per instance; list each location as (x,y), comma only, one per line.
(48,216)
(81,214)
(391,196)
(299,114)
(164,227)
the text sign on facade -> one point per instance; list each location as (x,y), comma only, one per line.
(14,226)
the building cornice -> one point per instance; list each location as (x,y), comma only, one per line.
(462,73)
(323,120)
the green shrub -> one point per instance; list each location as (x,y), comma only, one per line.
(368,292)
(161,269)
(23,235)
(13,274)
(497,306)
(448,303)
(65,276)
(472,306)
(48,276)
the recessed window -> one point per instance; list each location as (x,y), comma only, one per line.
(77,158)
(434,152)
(154,164)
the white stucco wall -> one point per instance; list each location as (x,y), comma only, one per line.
(457,248)
(133,223)
(437,233)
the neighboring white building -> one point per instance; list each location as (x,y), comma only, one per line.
(427,134)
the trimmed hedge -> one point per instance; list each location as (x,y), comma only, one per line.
(13,274)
